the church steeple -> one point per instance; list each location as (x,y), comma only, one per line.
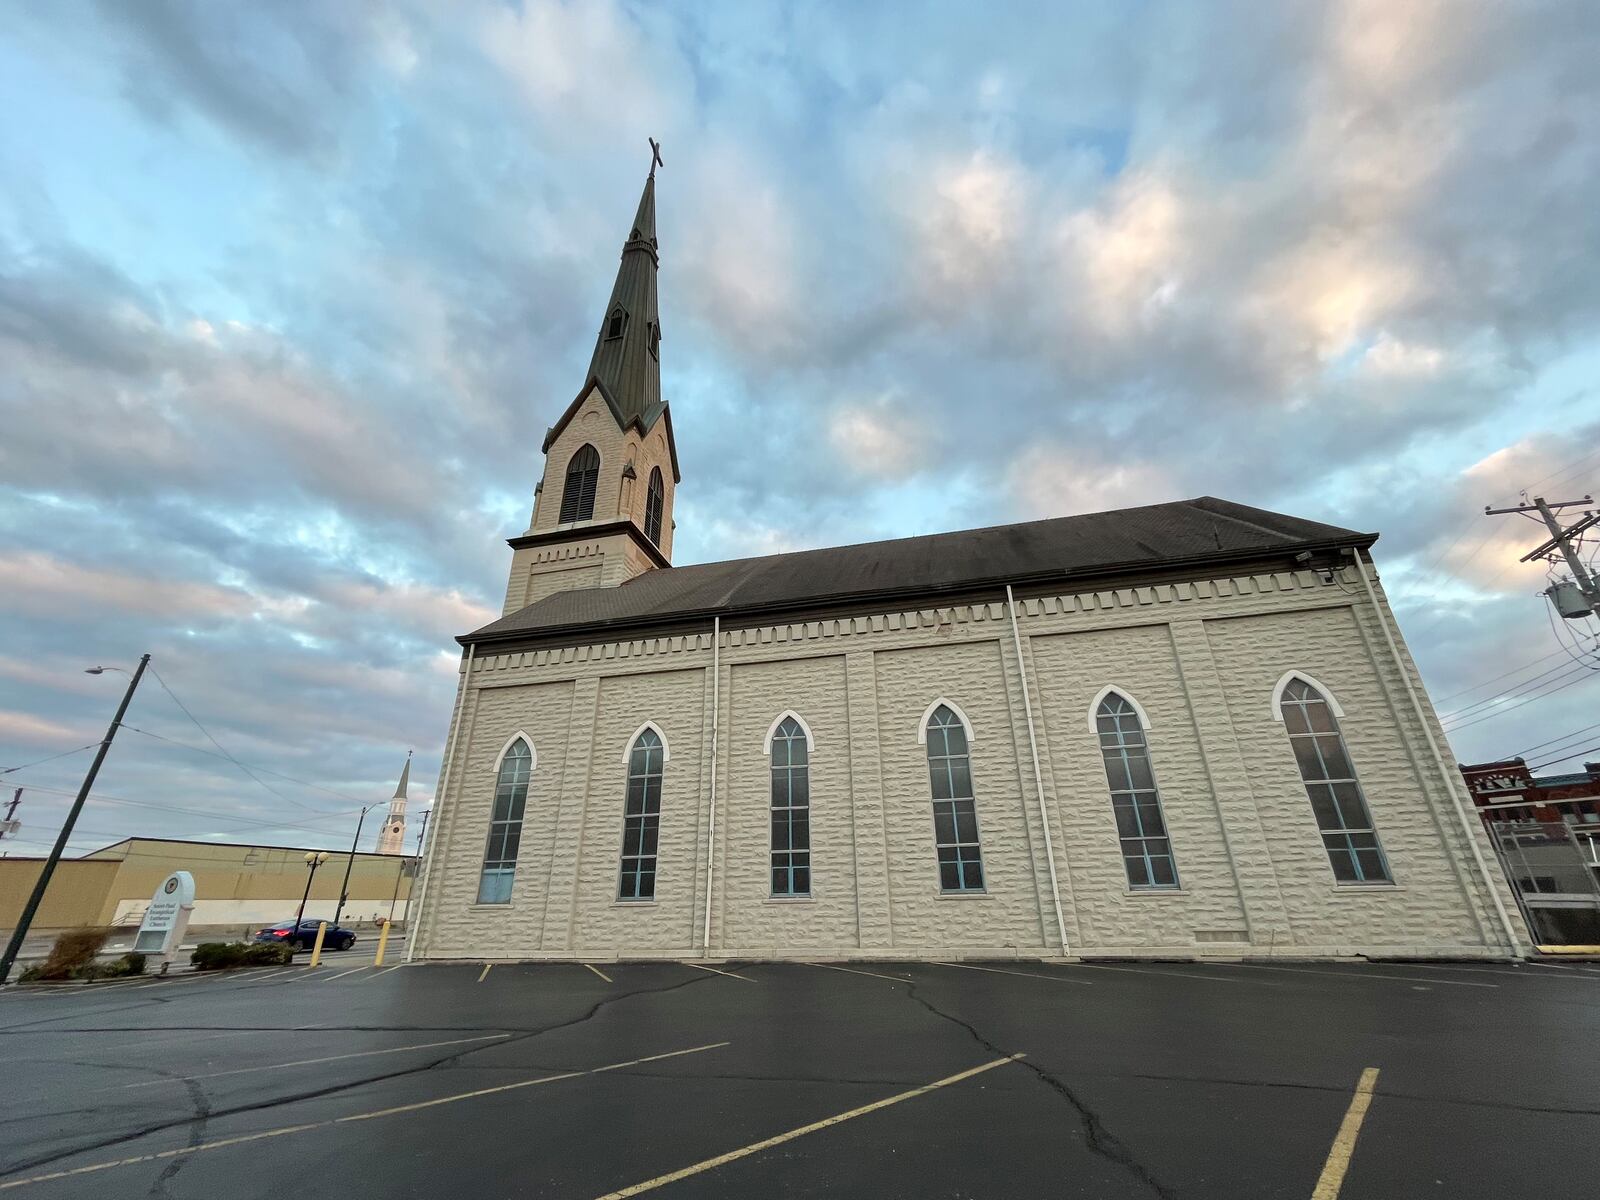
(603,512)
(627,350)
(392,839)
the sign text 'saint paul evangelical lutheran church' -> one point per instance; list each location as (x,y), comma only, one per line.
(1183,729)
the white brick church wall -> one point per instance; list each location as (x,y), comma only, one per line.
(1201,658)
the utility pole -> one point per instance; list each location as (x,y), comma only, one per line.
(422,833)
(10,824)
(14,947)
(1564,540)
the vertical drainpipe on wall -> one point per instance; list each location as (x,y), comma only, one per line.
(414,905)
(711,825)
(1038,775)
(1450,784)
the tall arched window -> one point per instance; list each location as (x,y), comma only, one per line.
(615,323)
(583,476)
(505,824)
(955,814)
(654,500)
(1146,849)
(791,809)
(641,820)
(1330,778)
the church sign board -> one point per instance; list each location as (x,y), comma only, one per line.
(167,916)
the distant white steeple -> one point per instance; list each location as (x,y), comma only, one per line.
(392,839)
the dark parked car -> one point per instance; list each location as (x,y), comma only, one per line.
(306,937)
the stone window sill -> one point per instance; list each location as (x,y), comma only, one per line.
(788,899)
(633,904)
(1174,891)
(983,895)
(488,908)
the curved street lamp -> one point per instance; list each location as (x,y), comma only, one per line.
(314,859)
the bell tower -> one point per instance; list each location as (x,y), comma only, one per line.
(392,838)
(603,511)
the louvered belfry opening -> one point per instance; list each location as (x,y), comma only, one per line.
(583,477)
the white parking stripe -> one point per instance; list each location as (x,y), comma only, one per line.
(714,971)
(342,974)
(1019,974)
(854,971)
(1142,970)
(306,1062)
(1433,979)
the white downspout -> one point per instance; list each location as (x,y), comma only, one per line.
(711,827)
(414,927)
(1038,775)
(1450,783)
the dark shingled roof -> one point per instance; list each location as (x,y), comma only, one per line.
(1129,541)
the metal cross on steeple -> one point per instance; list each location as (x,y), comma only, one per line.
(655,157)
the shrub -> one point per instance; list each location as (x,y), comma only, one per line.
(218,956)
(117,968)
(72,954)
(213,956)
(268,954)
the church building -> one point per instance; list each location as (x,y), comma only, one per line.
(1186,729)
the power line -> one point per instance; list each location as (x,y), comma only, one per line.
(265,771)
(1550,762)
(1527,687)
(1523,753)
(1508,708)
(1514,670)
(220,746)
(51,758)
(197,812)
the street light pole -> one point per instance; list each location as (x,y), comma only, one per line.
(344,888)
(14,947)
(314,859)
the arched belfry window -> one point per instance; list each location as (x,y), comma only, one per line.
(655,340)
(1135,800)
(1348,834)
(505,823)
(641,822)
(789,744)
(955,814)
(583,476)
(616,322)
(654,501)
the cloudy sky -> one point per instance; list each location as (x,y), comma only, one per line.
(289,293)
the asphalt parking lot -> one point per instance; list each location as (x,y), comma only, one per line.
(852,1079)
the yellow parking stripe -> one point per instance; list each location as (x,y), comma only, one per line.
(486,969)
(184,1151)
(599,972)
(1344,1142)
(756,1147)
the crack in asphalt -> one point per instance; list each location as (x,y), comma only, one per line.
(334,1089)
(1097,1137)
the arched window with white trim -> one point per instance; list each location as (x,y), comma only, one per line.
(1329,776)
(955,813)
(505,823)
(641,822)
(1135,799)
(789,748)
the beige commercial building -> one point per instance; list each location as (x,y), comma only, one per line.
(234,884)
(1184,729)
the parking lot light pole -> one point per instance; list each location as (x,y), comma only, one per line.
(14,947)
(344,888)
(314,859)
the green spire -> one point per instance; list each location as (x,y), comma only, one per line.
(627,351)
